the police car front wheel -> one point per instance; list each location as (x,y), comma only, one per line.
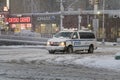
(51,51)
(91,49)
(69,49)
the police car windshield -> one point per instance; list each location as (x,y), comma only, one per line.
(63,34)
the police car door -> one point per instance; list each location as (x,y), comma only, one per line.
(84,40)
(76,41)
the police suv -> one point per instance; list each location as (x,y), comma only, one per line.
(70,41)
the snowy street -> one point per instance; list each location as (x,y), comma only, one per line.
(103,57)
(13,71)
(35,63)
(59,39)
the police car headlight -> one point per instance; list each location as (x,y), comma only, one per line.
(62,44)
(48,43)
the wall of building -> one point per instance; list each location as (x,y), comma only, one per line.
(33,6)
(112,25)
(2,4)
(27,6)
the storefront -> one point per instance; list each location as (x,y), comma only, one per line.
(3,22)
(50,24)
(45,24)
(18,23)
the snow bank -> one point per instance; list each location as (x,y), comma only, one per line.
(107,62)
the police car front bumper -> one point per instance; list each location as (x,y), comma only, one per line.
(56,48)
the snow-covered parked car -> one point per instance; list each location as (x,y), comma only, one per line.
(70,41)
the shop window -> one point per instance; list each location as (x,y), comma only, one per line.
(43,28)
(113,32)
(54,28)
(100,33)
(28,26)
(48,28)
(13,26)
(38,29)
(17,28)
(119,34)
(22,26)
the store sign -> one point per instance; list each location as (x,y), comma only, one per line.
(44,18)
(25,19)
(19,20)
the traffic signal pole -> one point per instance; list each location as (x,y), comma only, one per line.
(61,14)
(103,23)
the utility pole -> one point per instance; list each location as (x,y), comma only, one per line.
(61,14)
(103,23)
(95,20)
(79,20)
(95,7)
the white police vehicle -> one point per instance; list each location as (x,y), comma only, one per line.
(70,41)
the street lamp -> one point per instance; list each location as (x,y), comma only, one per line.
(98,12)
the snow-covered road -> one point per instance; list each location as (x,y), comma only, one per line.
(103,57)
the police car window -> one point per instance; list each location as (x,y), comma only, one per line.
(91,35)
(63,34)
(84,35)
(75,35)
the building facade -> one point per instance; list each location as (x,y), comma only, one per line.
(43,22)
(2,4)
(3,14)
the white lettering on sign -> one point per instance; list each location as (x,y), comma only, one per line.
(44,18)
